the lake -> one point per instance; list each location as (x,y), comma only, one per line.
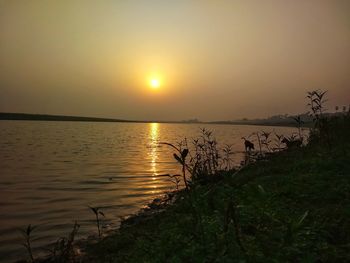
(50,172)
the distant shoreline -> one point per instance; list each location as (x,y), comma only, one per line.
(47,117)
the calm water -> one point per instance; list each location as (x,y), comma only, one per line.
(51,171)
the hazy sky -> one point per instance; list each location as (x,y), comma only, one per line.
(216,60)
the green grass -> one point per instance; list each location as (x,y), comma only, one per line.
(292,207)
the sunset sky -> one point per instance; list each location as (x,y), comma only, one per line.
(172,60)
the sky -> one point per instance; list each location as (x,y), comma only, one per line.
(214,60)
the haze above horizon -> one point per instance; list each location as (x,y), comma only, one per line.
(172,60)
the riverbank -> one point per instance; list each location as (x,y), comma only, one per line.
(291,207)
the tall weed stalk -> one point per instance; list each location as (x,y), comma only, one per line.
(27,236)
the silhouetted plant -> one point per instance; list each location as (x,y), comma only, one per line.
(299,123)
(205,161)
(316,102)
(180,157)
(27,235)
(292,141)
(63,250)
(278,140)
(226,159)
(265,139)
(259,141)
(97,213)
(321,124)
(174,178)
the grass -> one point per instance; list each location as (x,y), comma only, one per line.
(293,206)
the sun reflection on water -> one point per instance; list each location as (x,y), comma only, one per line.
(154,138)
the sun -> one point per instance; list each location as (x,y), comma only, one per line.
(154,83)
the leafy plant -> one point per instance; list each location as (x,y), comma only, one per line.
(205,161)
(180,156)
(316,102)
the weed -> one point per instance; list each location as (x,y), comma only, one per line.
(259,141)
(63,250)
(174,178)
(180,156)
(227,157)
(205,161)
(265,140)
(278,141)
(321,129)
(97,213)
(299,123)
(27,235)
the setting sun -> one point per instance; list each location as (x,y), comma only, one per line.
(154,83)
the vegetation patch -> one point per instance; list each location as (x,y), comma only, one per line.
(288,202)
(293,206)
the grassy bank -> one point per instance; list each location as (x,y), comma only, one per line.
(291,207)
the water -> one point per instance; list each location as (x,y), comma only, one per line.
(51,171)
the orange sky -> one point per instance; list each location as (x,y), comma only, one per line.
(215,60)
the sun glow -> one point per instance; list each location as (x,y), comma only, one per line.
(154,83)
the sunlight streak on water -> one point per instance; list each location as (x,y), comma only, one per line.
(154,144)
(154,139)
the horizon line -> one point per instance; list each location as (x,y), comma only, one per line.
(53,117)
